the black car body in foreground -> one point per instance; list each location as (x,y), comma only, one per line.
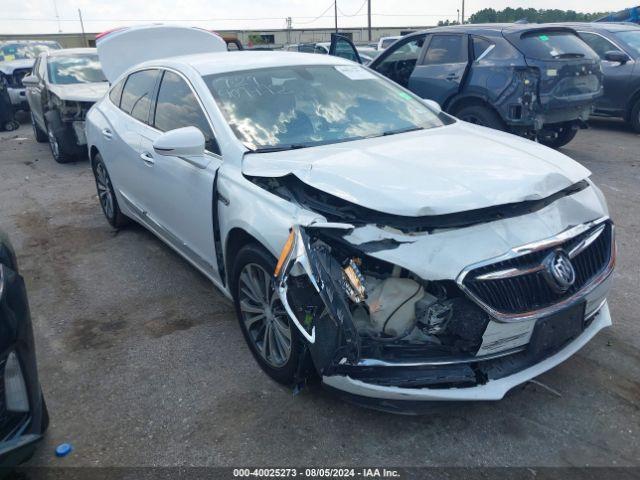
(23,413)
(539,81)
(618,45)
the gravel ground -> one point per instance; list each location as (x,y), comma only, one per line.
(142,362)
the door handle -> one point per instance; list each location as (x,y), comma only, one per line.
(147,158)
(452,76)
(106,133)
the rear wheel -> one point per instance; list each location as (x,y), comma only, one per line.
(634,119)
(558,138)
(41,136)
(106,194)
(272,338)
(479,115)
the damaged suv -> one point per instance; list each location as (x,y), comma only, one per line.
(400,253)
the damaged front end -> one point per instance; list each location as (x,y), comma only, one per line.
(377,330)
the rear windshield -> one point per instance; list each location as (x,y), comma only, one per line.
(554,46)
(631,38)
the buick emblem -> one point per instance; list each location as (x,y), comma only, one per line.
(559,271)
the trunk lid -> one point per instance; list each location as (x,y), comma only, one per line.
(444,170)
(119,50)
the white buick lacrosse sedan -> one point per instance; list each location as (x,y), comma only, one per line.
(364,236)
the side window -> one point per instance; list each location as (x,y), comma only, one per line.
(136,95)
(178,107)
(399,63)
(598,44)
(445,49)
(116,93)
(480,46)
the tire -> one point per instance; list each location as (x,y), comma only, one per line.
(106,194)
(479,115)
(11,126)
(252,302)
(563,135)
(634,118)
(41,137)
(61,147)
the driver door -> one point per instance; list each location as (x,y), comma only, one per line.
(399,61)
(342,47)
(180,194)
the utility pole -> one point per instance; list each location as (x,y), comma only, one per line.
(369,19)
(289,21)
(55,8)
(458,16)
(335,13)
(463,12)
(84,37)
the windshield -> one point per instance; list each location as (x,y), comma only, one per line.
(20,51)
(553,45)
(75,69)
(631,38)
(301,106)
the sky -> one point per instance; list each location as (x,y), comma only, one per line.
(39,16)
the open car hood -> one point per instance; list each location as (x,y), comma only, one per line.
(122,49)
(80,92)
(432,172)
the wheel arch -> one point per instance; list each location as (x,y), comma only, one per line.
(457,103)
(635,98)
(236,239)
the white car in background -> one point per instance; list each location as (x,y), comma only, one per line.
(62,88)
(16,61)
(402,254)
(386,42)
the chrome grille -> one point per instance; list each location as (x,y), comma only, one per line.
(520,285)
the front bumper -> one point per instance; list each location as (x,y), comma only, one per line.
(492,390)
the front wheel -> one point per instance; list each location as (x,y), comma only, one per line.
(106,195)
(558,137)
(60,148)
(272,338)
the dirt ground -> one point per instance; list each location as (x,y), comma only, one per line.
(142,362)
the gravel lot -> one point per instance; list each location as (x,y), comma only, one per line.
(142,361)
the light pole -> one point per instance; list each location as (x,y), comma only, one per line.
(335,13)
(369,20)
(462,11)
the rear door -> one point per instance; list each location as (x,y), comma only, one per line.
(128,168)
(441,70)
(344,48)
(616,74)
(35,92)
(179,195)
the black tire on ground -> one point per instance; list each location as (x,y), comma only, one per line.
(60,142)
(249,260)
(563,136)
(106,194)
(41,136)
(634,118)
(480,115)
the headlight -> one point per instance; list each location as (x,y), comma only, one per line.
(15,390)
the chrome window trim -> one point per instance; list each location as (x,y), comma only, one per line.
(534,247)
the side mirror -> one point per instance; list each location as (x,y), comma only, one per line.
(432,104)
(30,80)
(616,56)
(186,143)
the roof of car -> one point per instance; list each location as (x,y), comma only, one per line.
(72,51)
(222,62)
(604,26)
(495,28)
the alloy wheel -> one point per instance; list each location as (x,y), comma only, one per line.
(263,315)
(104,190)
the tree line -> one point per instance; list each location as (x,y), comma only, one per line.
(510,15)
